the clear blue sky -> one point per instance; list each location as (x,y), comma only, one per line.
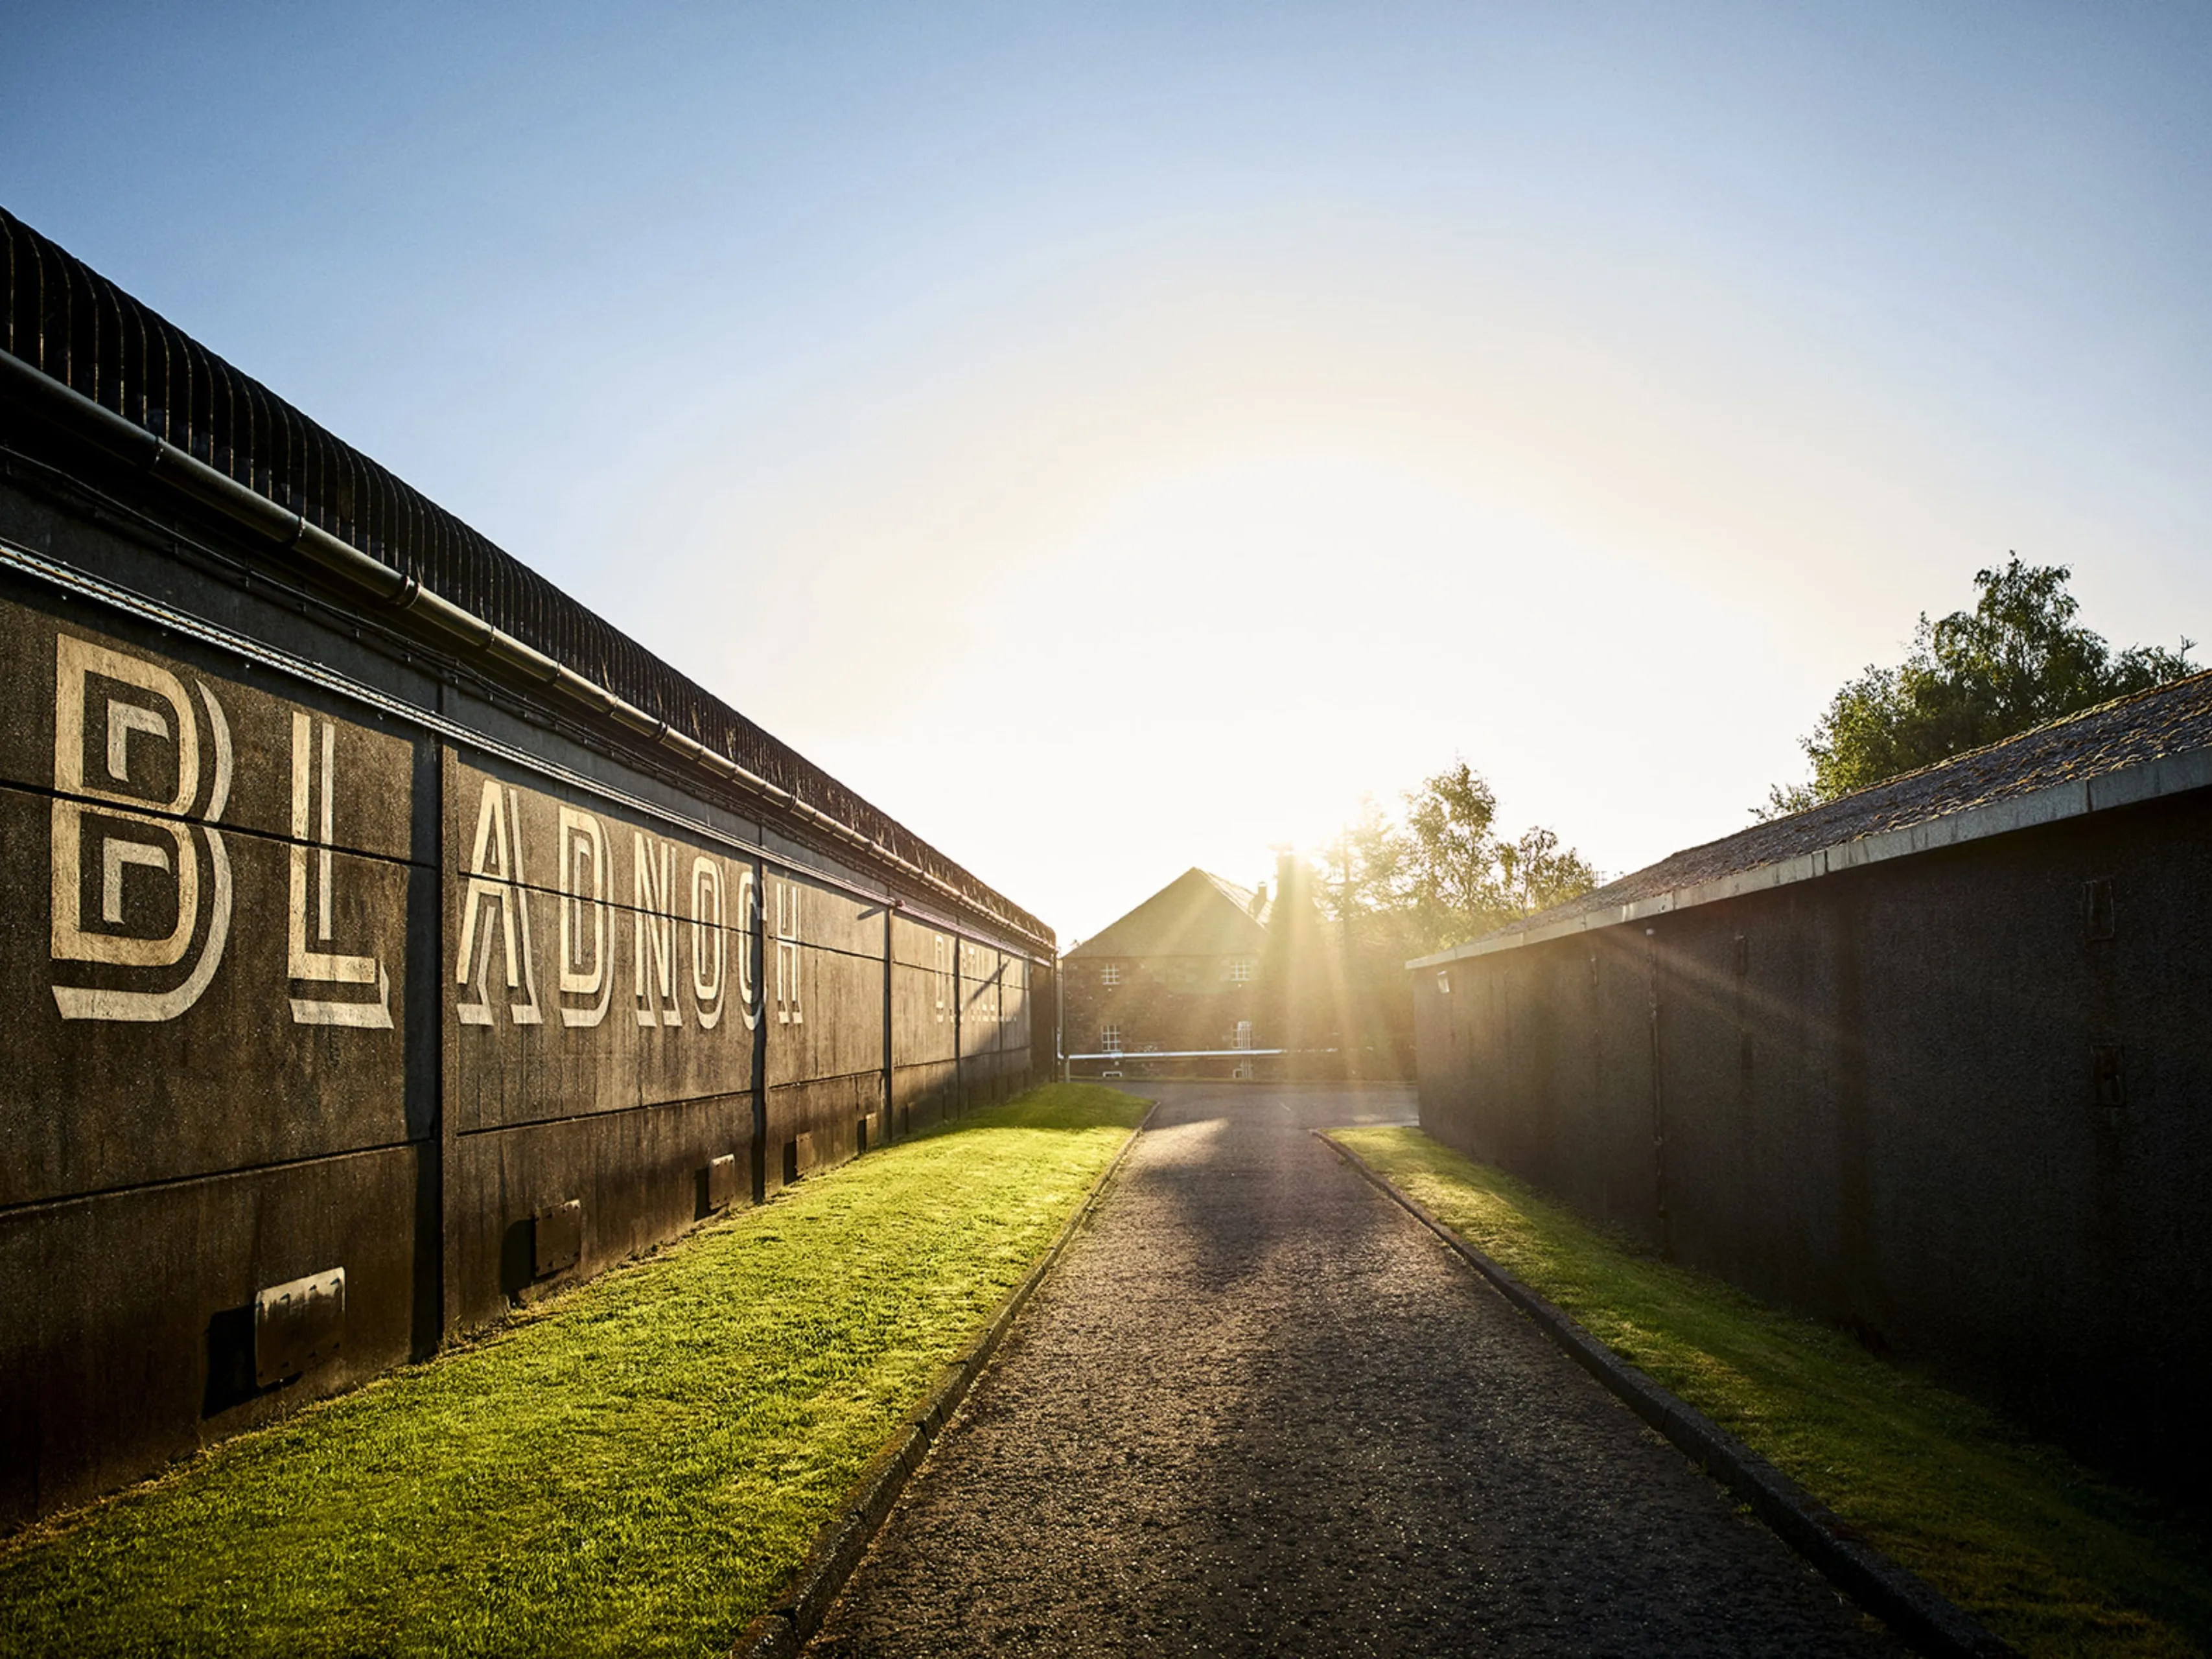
(1113,438)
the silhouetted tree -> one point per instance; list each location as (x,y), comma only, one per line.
(1445,874)
(1397,887)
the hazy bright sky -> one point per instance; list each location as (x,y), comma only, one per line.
(1113,438)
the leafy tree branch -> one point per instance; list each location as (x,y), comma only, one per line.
(2017,661)
(1442,872)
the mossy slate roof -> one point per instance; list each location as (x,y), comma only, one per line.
(2149,726)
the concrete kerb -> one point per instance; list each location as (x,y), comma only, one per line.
(1924,1618)
(785,1628)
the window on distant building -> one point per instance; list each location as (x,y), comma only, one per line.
(1111,974)
(1243,1033)
(1109,1039)
(1240,969)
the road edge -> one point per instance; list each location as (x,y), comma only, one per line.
(782,1631)
(1919,1614)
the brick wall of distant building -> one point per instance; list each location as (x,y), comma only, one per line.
(1164,1003)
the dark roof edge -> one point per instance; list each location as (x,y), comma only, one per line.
(2168,774)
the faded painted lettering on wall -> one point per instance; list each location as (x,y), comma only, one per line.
(391,941)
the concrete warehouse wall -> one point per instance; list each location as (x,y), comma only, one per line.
(338,958)
(1944,1100)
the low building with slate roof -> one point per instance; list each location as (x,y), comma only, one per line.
(1932,1061)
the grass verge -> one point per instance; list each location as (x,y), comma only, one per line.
(2046,1554)
(634,1467)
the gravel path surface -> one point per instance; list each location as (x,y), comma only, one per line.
(1256,1408)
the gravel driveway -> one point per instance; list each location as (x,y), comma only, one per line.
(1257,1409)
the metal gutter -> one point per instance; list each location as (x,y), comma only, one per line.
(509,657)
(129,603)
(1198,1054)
(2168,774)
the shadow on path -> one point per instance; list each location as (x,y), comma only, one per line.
(1256,1408)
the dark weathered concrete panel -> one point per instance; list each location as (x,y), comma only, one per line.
(640,1177)
(123,1072)
(165,934)
(594,964)
(919,944)
(813,1125)
(924,1095)
(1873,1097)
(987,1079)
(95,717)
(981,973)
(923,1015)
(814,912)
(1043,1015)
(825,1017)
(1014,999)
(129,1335)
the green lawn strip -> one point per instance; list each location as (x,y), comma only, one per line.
(634,1467)
(2048,1555)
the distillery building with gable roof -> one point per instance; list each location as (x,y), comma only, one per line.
(1181,977)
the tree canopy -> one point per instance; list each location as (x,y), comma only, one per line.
(2016,660)
(1399,885)
(1444,872)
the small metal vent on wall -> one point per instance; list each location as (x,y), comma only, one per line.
(722,1182)
(297,1326)
(556,1238)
